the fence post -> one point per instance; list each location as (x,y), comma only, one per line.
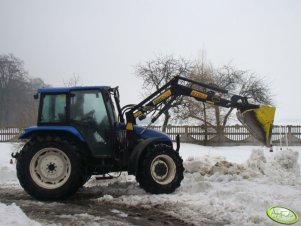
(206,133)
(186,134)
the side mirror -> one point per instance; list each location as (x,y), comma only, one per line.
(36,96)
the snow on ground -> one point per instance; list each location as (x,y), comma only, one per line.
(7,170)
(13,215)
(225,184)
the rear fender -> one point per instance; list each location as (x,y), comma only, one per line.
(37,130)
(138,151)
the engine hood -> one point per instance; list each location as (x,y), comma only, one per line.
(149,133)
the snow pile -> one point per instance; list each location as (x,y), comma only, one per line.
(281,168)
(257,161)
(201,164)
(13,215)
(217,168)
(284,168)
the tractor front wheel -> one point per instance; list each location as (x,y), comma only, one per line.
(161,170)
(50,168)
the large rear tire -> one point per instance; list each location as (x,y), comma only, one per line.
(161,170)
(50,168)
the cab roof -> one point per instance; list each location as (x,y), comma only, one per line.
(69,89)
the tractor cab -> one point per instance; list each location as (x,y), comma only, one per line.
(89,110)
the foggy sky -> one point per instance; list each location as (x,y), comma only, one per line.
(102,41)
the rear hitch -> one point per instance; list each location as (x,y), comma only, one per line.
(15,155)
(104,177)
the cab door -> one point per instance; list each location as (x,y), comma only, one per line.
(89,114)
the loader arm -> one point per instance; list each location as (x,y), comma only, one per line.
(258,119)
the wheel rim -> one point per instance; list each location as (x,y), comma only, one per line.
(50,168)
(163,169)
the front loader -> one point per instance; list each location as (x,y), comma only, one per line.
(83,131)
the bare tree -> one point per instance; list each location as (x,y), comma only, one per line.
(29,113)
(12,84)
(16,93)
(191,108)
(155,73)
(243,83)
(227,77)
(75,80)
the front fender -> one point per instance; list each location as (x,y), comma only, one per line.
(137,152)
(28,132)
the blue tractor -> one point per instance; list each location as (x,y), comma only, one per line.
(83,131)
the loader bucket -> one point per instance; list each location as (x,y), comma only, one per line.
(259,122)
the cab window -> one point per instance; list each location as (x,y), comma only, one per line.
(53,108)
(88,106)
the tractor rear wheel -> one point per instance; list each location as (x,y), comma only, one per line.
(50,168)
(161,170)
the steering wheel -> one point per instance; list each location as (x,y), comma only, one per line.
(89,117)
